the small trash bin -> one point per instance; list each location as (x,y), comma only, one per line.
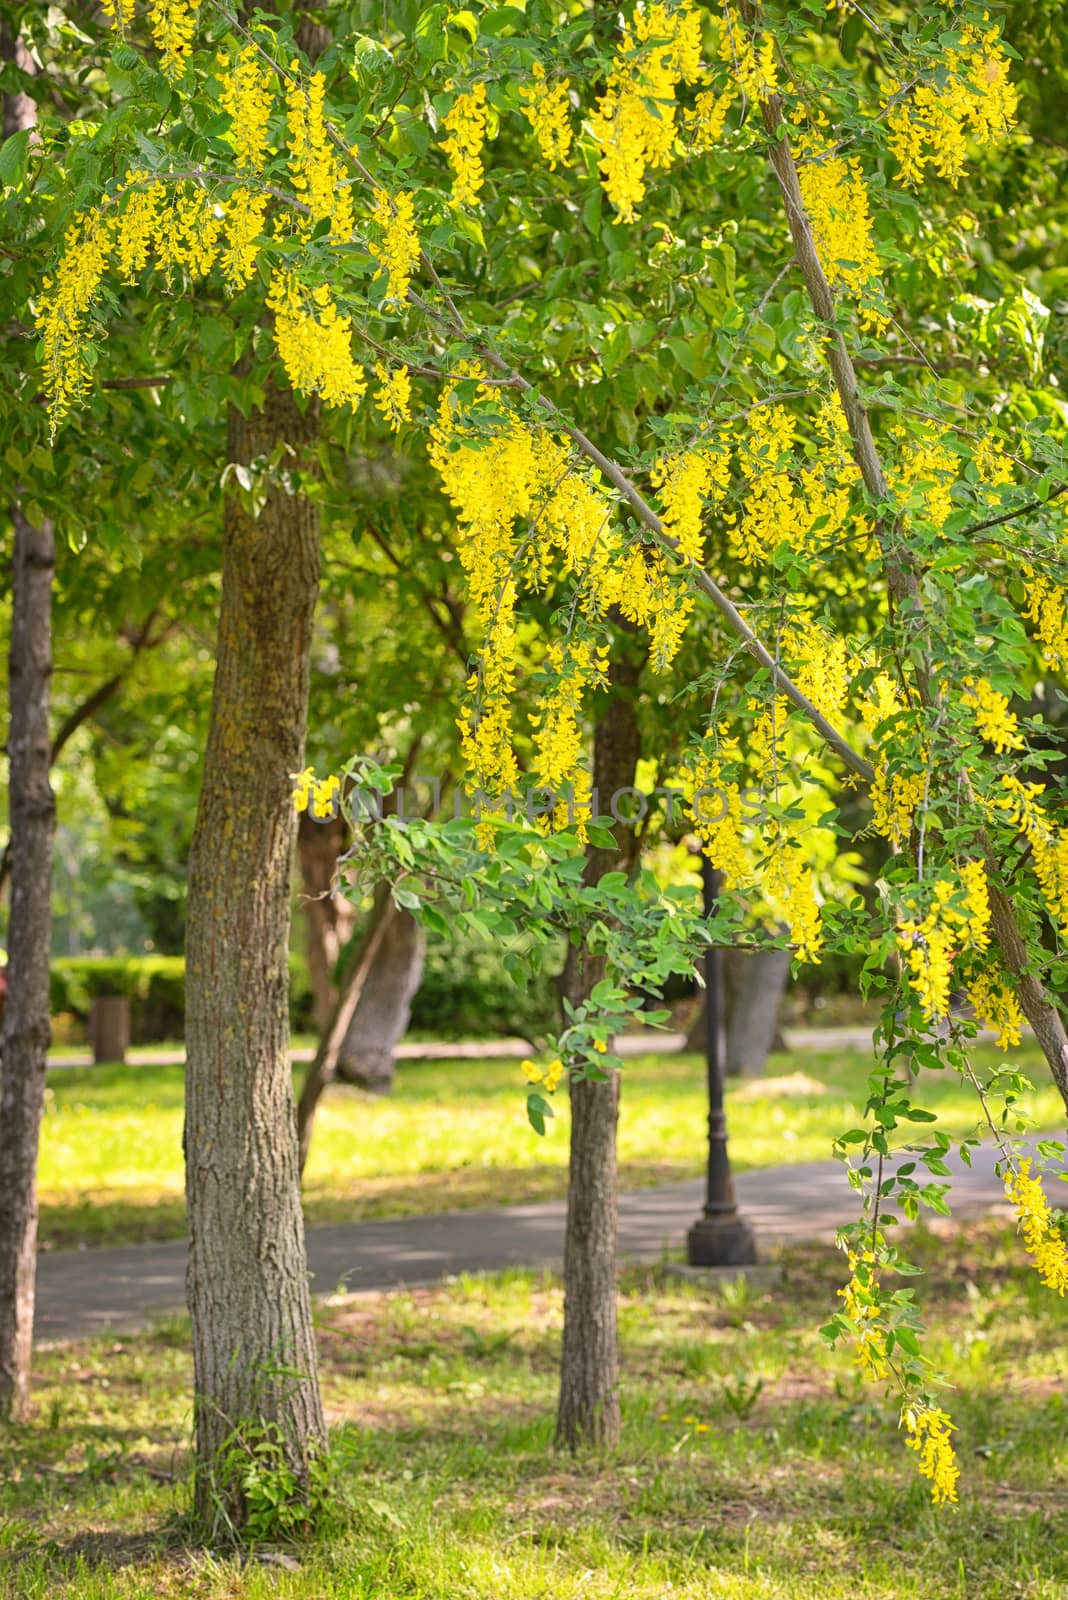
(109,1027)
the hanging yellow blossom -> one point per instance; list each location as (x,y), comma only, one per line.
(393,396)
(705,123)
(316,172)
(686,482)
(1047,608)
(118,11)
(1049,844)
(750,56)
(465,124)
(929,126)
(823,666)
(1043,1240)
(62,317)
(996,1007)
(141,198)
(926,475)
(319,796)
(993,718)
(790,889)
(548,110)
(397,247)
(558,739)
(634,123)
(836,200)
(929,1432)
(173,24)
(314,341)
(958,918)
(243,225)
(247,85)
(187,231)
(861,1307)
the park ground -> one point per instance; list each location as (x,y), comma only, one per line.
(455,1134)
(754,1462)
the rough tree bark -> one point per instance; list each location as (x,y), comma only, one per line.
(754,982)
(328,917)
(588,1409)
(382,1012)
(26,1028)
(247,1286)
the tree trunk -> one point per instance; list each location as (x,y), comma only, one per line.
(26,1029)
(247,1286)
(588,1409)
(380,1019)
(360,965)
(328,916)
(754,983)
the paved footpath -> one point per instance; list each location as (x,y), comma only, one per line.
(82,1292)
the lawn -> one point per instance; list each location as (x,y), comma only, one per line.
(753,1463)
(453,1134)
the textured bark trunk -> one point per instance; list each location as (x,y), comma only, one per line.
(247,1286)
(381,1017)
(588,1409)
(328,916)
(322,1069)
(754,983)
(26,1029)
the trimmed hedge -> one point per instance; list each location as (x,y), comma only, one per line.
(154,985)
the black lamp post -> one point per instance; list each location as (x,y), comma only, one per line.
(719,1237)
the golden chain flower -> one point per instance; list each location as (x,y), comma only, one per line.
(1043,1241)
(397,247)
(929,1432)
(247,86)
(548,110)
(465,123)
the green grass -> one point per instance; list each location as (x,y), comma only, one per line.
(441,1403)
(453,1134)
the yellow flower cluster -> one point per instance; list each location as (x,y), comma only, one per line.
(895,799)
(314,341)
(860,1299)
(992,464)
(397,247)
(1049,845)
(465,123)
(958,918)
(548,110)
(317,795)
(558,741)
(686,482)
(118,11)
(929,470)
(750,56)
(1047,608)
(836,200)
(316,172)
(929,1432)
(548,1078)
(824,668)
(705,123)
(993,719)
(996,1007)
(716,814)
(247,95)
(187,231)
(930,126)
(393,396)
(790,889)
(635,120)
(62,317)
(173,24)
(1044,1241)
(245,211)
(135,230)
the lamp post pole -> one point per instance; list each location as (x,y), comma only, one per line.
(719,1237)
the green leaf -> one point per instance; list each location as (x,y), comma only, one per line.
(14,155)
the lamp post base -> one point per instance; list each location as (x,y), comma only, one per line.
(721,1241)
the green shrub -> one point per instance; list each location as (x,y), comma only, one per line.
(468,992)
(155,987)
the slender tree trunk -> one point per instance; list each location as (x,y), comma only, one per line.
(588,1409)
(253,1345)
(382,1012)
(328,916)
(754,982)
(26,1028)
(360,967)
